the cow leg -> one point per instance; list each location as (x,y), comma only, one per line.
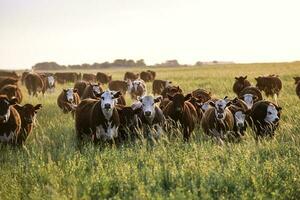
(186,134)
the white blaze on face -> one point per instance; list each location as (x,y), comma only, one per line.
(148,106)
(107,104)
(239,118)
(272,114)
(70,95)
(248,98)
(168,83)
(220,106)
(129,85)
(50,81)
(108,134)
(96,89)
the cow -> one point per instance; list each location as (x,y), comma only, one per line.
(68,100)
(8,81)
(202,95)
(146,76)
(118,85)
(297,82)
(153,74)
(131,76)
(264,118)
(92,90)
(137,89)
(12,91)
(179,109)
(271,85)
(297,79)
(64,77)
(10,121)
(197,103)
(159,85)
(24,74)
(98,120)
(218,121)
(80,87)
(240,83)
(89,77)
(49,82)
(27,114)
(250,95)
(34,84)
(170,90)
(103,78)
(151,118)
(11,74)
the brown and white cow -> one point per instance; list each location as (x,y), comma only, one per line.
(297,82)
(146,76)
(8,81)
(92,90)
(68,100)
(27,114)
(159,85)
(137,89)
(12,91)
(271,85)
(218,121)
(179,109)
(49,82)
(103,78)
(118,85)
(98,120)
(34,84)
(250,95)
(131,76)
(10,122)
(240,83)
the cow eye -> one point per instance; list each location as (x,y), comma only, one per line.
(269,113)
(102,98)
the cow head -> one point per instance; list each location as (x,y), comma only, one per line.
(297,79)
(69,94)
(249,99)
(241,78)
(178,101)
(240,118)
(108,100)
(259,83)
(10,91)
(96,88)
(28,112)
(273,114)
(5,103)
(148,106)
(220,106)
(51,81)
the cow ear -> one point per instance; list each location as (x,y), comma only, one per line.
(117,94)
(13,101)
(188,97)
(65,90)
(279,108)
(170,97)
(236,78)
(157,99)
(212,103)
(38,106)
(18,107)
(75,90)
(245,77)
(228,103)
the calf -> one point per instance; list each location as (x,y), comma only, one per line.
(170,90)
(80,87)
(264,118)
(89,77)
(118,85)
(68,100)
(146,76)
(92,91)
(239,84)
(159,85)
(34,84)
(138,89)
(98,120)
(7,81)
(297,82)
(103,78)
(250,95)
(271,85)
(218,120)
(182,111)
(10,122)
(27,114)
(12,91)
(131,76)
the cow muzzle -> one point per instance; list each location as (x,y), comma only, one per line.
(147,113)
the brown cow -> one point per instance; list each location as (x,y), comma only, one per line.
(8,81)
(271,85)
(159,85)
(27,114)
(297,82)
(118,85)
(131,76)
(240,83)
(103,78)
(24,74)
(89,77)
(64,77)
(182,111)
(297,79)
(153,74)
(250,95)
(11,74)
(92,90)
(217,121)
(80,87)
(170,90)
(34,84)
(68,100)
(146,76)
(98,120)
(10,122)
(202,95)
(12,91)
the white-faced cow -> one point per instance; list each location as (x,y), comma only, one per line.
(68,100)
(159,85)
(250,95)
(137,89)
(92,91)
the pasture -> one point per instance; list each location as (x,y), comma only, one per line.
(49,166)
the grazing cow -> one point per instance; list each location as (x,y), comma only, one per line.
(92,91)
(146,76)
(264,118)
(68,100)
(64,77)
(34,84)
(103,78)
(89,77)
(250,95)
(297,82)
(131,76)
(271,85)
(118,85)
(98,120)
(11,74)
(202,95)
(159,85)
(182,111)
(80,87)
(10,122)
(239,84)
(217,121)
(137,89)
(12,91)
(151,117)
(8,81)
(27,114)
(153,74)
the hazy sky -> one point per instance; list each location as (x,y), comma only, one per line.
(88,31)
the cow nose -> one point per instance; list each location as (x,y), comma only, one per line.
(147,113)
(276,120)
(107,106)
(220,116)
(240,125)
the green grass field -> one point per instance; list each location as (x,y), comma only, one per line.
(49,166)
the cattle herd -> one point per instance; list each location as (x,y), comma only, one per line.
(103,115)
